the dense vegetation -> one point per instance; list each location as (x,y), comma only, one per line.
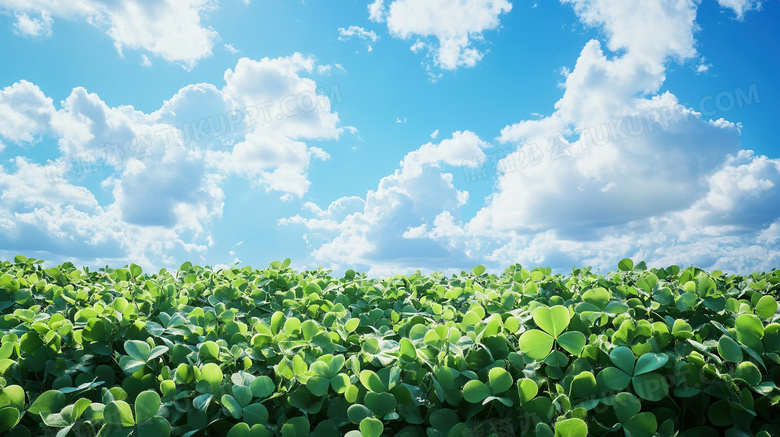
(245,352)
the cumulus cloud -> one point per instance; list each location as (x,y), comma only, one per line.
(26,112)
(170,29)
(454,25)
(618,169)
(291,109)
(624,171)
(376,11)
(650,160)
(649,29)
(159,175)
(742,196)
(382,231)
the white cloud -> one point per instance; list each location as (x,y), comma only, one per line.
(435,134)
(636,173)
(162,172)
(357,31)
(743,195)
(740,7)
(63,222)
(453,151)
(625,168)
(328,219)
(380,231)
(360,33)
(649,29)
(274,153)
(32,26)
(455,25)
(625,171)
(328,68)
(732,226)
(25,112)
(31,186)
(175,191)
(605,144)
(231,49)
(376,11)
(170,29)
(770,235)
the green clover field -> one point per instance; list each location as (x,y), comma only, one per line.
(244,352)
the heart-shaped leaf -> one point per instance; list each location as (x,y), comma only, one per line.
(340,383)
(527,389)
(309,329)
(240,429)
(243,395)
(336,364)
(130,365)
(719,413)
(623,358)
(571,428)
(443,420)
(296,427)
(536,344)
(318,385)
(500,380)
(380,403)
(137,349)
(649,362)
(118,414)
(651,386)
(641,425)
(626,265)
(626,406)
(371,427)
(372,381)
(154,427)
(729,349)
(358,412)
(208,351)
(262,386)
(146,405)
(766,307)
(552,320)
(584,386)
(597,297)
(212,374)
(475,391)
(749,373)
(748,325)
(9,417)
(47,403)
(232,406)
(254,414)
(615,379)
(12,395)
(573,342)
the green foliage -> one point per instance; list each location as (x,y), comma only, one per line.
(274,352)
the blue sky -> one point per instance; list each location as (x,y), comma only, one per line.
(388,136)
